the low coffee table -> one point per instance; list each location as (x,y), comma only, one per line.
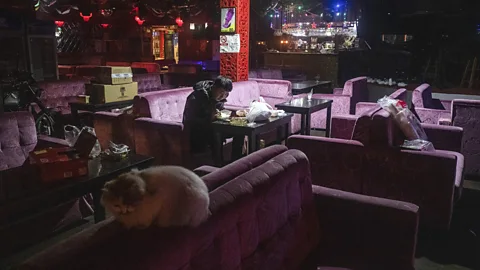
(306,86)
(305,108)
(23,195)
(252,131)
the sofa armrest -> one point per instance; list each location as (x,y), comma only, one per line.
(340,105)
(204,170)
(342,126)
(362,107)
(44,141)
(337,91)
(274,88)
(444,137)
(365,232)
(432,116)
(167,141)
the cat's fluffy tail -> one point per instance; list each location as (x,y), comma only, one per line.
(201,212)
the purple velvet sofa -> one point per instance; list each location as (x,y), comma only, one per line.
(428,109)
(17,139)
(373,165)
(161,113)
(344,101)
(265,215)
(57,94)
(342,124)
(466,115)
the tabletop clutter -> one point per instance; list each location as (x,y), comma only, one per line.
(259,111)
(408,124)
(55,164)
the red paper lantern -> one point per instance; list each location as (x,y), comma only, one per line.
(59,23)
(104,25)
(86,18)
(139,21)
(179,21)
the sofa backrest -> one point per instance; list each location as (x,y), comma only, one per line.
(150,67)
(219,177)
(362,129)
(167,105)
(385,172)
(57,94)
(400,94)
(117,64)
(148,82)
(422,96)
(263,219)
(185,68)
(466,114)
(18,137)
(274,91)
(243,93)
(357,89)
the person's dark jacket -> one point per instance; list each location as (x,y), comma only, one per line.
(198,115)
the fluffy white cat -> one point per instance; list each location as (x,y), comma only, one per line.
(165,196)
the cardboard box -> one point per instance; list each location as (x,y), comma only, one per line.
(82,99)
(59,163)
(113,75)
(102,93)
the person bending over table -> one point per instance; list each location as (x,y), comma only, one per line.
(201,108)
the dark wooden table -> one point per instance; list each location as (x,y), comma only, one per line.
(23,195)
(305,108)
(89,107)
(307,86)
(252,131)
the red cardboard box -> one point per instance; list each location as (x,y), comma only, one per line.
(59,163)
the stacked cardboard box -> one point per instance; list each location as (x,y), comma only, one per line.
(112,84)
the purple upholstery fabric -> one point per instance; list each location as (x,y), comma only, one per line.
(18,137)
(378,231)
(57,94)
(148,82)
(429,110)
(263,217)
(354,91)
(383,171)
(361,107)
(466,114)
(152,68)
(166,105)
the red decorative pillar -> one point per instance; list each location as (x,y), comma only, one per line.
(235,65)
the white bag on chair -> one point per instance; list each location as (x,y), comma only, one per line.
(259,111)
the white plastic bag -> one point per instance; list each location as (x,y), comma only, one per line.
(405,119)
(259,111)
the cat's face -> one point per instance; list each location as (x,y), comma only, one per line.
(122,195)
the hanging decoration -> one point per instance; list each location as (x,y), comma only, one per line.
(63,10)
(104,25)
(59,23)
(107,12)
(36,5)
(179,21)
(139,21)
(86,18)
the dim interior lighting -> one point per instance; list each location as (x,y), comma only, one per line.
(338,6)
(206,25)
(271,16)
(139,21)
(192,26)
(338,14)
(344,14)
(86,18)
(299,7)
(286,41)
(59,23)
(292,15)
(321,15)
